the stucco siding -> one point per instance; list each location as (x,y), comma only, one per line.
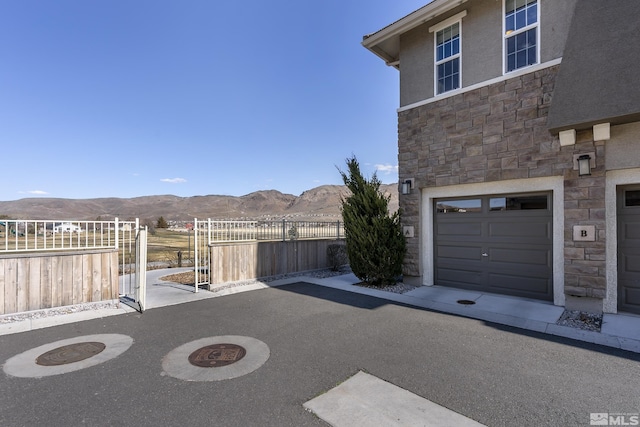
(481,45)
(416,65)
(555,21)
(623,150)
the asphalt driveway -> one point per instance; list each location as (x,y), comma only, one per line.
(319,337)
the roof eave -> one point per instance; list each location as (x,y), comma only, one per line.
(409,22)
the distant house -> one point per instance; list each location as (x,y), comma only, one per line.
(66,227)
(519,147)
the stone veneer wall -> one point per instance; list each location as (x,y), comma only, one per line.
(584,204)
(499,132)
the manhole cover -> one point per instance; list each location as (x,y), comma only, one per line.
(217,355)
(466,302)
(70,353)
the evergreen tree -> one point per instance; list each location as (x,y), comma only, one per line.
(375,244)
(161,223)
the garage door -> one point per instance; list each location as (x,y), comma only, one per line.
(497,243)
(629,249)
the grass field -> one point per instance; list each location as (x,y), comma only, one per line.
(163,246)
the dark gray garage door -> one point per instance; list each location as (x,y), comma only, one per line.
(629,249)
(499,243)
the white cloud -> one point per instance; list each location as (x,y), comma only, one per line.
(34,192)
(174,180)
(387,169)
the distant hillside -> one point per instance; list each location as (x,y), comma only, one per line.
(323,201)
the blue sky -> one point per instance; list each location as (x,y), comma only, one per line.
(192,97)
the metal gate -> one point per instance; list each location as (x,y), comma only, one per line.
(132,247)
(202,254)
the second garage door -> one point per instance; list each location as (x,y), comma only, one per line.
(497,243)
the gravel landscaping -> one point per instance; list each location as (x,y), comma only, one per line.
(187,278)
(398,288)
(581,320)
(58,311)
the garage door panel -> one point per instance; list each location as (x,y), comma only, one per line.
(459,229)
(520,256)
(521,285)
(459,252)
(631,262)
(455,277)
(462,265)
(516,238)
(628,249)
(632,296)
(631,231)
(537,271)
(517,230)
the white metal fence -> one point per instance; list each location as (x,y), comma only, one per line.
(38,236)
(202,230)
(236,231)
(208,232)
(57,235)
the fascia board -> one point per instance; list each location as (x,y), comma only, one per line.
(409,22)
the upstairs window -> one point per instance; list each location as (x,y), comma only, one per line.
(521,35)
(448,58)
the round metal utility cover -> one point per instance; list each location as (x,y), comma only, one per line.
(70,353)
(217,355)
(178,362)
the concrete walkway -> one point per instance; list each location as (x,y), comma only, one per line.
(618,330)
(161,293)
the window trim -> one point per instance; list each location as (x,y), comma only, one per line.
(515,33)
(452,20)
(448,22)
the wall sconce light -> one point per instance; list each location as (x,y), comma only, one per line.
(406,186)
(584,165)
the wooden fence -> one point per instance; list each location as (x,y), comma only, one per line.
(232,262)
(37,281)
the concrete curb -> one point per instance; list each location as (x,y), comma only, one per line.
(45,322)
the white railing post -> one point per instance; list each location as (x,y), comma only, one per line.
(141,266)
(284,236)
(117,232)
(196,261)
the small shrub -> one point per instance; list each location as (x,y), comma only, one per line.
(337,256)
(293,232)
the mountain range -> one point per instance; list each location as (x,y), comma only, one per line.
(320,203)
